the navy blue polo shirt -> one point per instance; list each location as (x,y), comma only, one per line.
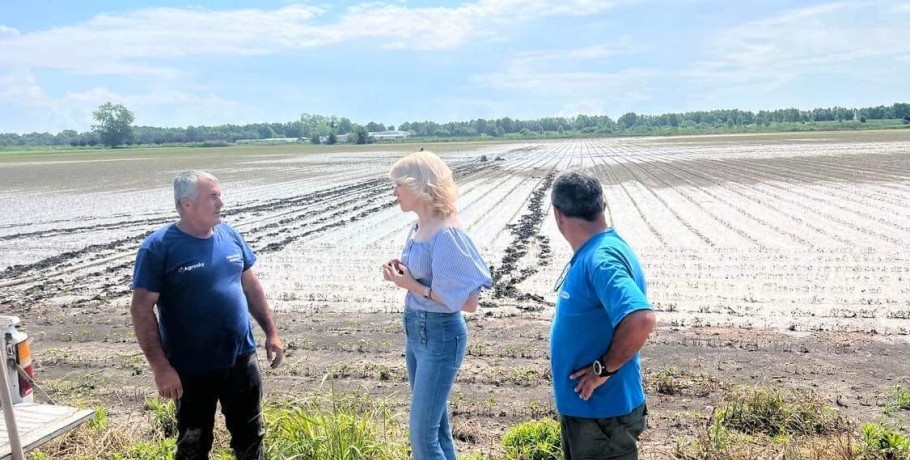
(204,320)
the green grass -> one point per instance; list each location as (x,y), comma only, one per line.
(163,414)
(247,149)
(757,423)
(534,440)
(336,428)
(880,441)
(898,399)
(772,412)
(747,424)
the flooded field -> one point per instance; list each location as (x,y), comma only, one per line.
(768,257)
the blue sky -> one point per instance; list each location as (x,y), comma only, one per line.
(177,63)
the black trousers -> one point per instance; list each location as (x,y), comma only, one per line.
(240,391)
(612,438)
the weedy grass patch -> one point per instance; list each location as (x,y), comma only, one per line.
(534,440)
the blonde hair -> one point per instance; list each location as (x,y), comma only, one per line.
(430,179)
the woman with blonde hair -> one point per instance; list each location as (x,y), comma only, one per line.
(443,273)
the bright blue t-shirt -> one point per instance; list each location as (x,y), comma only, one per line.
(204,320)
(604,283)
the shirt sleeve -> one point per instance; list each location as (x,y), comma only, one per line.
(458,270)
(616,289)
(148,272)
(249,258)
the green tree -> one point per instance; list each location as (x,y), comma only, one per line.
(332,139)
(628,120)
(360,135)
(115,124)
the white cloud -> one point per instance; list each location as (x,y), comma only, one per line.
(621,46)
(859,39)
(568,83)
(7,31)
(583,107)
(23,100)
(21,86)
(533,72)
(135,43)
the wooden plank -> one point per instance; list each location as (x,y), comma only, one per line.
(40,423)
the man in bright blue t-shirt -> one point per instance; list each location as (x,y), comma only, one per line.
(198,272)
(602,320)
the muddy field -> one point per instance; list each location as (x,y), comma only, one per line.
(772,259)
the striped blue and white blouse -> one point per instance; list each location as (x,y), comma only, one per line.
(450,264)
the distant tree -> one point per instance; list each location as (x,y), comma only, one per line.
(193,134)
(293,129)
(391,127)
(115,124)
(266,132)
(314,139)
(332,139)
(344,125)
(628,120)
(360,134)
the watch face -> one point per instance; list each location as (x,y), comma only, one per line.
(597,367)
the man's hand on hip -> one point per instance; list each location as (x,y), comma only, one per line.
(587,382)
(168,382)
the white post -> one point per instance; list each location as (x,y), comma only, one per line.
(6,400)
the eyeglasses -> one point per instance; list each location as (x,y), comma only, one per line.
(562,277)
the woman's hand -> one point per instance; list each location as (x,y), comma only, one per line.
(397,273)
(389,268)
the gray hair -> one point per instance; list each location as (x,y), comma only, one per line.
(578,194)
(186,185)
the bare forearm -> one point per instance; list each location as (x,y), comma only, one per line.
(629,338)
(146,327)
(259,309)
(257,303)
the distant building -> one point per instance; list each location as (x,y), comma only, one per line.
(390,135)
(274,140)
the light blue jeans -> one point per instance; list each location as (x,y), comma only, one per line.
(435,348)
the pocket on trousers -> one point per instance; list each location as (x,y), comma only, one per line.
(621,434)
(460,346)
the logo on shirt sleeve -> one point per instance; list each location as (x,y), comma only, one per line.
(234,258)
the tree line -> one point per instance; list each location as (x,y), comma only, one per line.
(114,126)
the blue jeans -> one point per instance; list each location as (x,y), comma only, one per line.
(434,350)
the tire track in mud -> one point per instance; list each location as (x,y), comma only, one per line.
(66,274)
(507,275)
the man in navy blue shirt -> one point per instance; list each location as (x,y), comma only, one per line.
(602,320)
(198,272)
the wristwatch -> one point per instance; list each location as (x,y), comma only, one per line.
(426,292)
(600,369)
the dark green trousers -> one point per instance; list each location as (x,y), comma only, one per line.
(613,438)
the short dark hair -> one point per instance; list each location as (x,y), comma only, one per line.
(578,194)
